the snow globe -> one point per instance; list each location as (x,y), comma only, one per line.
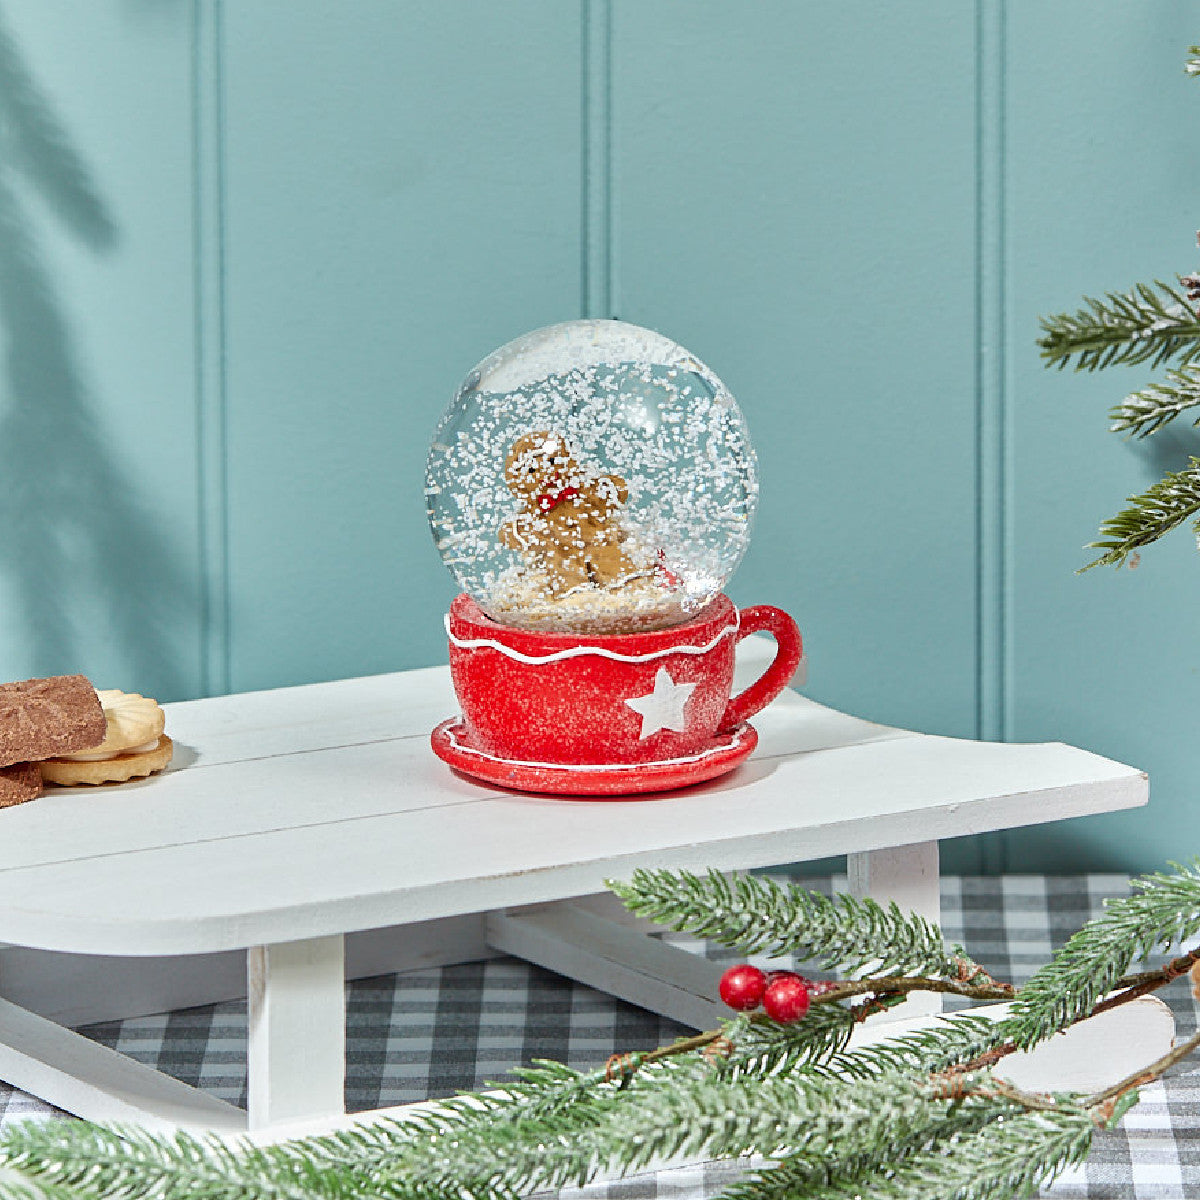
(592,487)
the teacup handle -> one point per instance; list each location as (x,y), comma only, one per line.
(764,618)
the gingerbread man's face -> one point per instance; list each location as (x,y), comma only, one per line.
(539,463)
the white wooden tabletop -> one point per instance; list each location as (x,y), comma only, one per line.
(315,810)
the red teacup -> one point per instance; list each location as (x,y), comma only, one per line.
(570,699)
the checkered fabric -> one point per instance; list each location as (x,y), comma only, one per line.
(433,1032)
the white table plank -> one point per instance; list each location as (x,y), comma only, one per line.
(344,712)
(305,757)
(477,849)
(316,810)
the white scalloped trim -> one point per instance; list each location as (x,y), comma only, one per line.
(580,651)
(736,740)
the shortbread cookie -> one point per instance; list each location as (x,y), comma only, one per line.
(40,718)
(122,767)
(135,723)
(18,783)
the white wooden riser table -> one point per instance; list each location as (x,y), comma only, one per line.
(297,822)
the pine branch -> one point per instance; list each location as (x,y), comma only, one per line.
(1193,63)
(16,1187)
(901,985)
(1152,514)
(1143,413)
(755,914)
(798,1174)
(765,1048)
(703,1114)
(953,1039)
(1132,327)
(1006,1158)
(93,1160)
(666,1111)
(1164,910)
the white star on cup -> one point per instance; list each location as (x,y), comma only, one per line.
(663,707)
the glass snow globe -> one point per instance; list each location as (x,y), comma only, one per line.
(591,477)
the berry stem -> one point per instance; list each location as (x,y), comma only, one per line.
(893,985)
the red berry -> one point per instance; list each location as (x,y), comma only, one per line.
(742,987)
(786,999)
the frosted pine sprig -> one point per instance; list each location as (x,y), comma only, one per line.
(1151,514)
(756,914)
(1146,324)
(1163,911)
(1143,413)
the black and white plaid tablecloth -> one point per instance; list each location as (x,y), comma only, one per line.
(433,1032)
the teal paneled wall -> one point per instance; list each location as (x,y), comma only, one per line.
(99,528)
(402,193)
(1103,176)
(248,249)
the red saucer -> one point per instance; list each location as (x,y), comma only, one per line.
(605,781)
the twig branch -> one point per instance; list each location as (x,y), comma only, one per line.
(1147,1074)
(955,1085)
(1164,974)
(894,985)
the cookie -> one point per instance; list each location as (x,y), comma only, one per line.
(18,783)
(134,723)
(119,769)
(40,718)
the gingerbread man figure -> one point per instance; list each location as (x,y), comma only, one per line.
(567,528)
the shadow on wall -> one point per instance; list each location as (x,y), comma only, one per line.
(1169,449)
(91,577)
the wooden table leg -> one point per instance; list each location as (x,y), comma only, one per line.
(99,1084)
(567,938)
(909,875)
(297,1031)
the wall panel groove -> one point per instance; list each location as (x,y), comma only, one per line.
(992,552)
(597,244)
(212,492)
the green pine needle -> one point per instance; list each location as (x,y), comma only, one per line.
(1151,323)
(954,1038)
(85,1160)
(802,1173)
(1147,411)
(1013,1156)
(756,914)
(766,1048)
(959,1159)
(698,1113)
(1155,512)
(1141,325)
(1164,910)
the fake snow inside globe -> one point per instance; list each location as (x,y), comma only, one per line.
(592,477)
